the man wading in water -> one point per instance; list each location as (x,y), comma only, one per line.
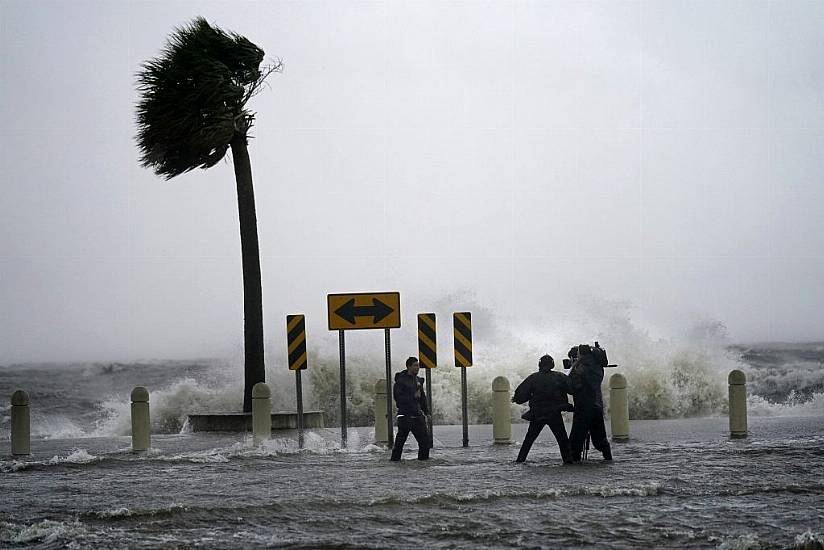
(546,392)
(410,400)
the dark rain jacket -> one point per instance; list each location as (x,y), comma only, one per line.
(546,391)
(586,376)
(410,398)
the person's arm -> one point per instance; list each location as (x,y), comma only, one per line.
(566,385)
(403,398)
(563,390)
(524,391)
(577,384)
(601,356)
(424,402)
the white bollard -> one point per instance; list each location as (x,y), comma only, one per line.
(501,411)
(618,407)
(381,435)
(141,423)
(738,404)
(261,412)
(20,424)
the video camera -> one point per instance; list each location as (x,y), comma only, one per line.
(575,351)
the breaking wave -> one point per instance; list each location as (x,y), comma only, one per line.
(125,513)
(604,491)
(76,456)
(681,375)
(169,406)
(46,532)
(313,443)
(809,540)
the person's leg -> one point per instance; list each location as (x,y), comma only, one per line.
(400,439)
(598,432)
(578,433)
(556,424)
(535,428)
(421,433)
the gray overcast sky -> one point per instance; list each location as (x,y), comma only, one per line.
(524,156)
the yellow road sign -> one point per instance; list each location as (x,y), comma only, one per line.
(462,324)
(296,339)
(427,341)
(364,310)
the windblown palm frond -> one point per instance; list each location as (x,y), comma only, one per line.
(193,98)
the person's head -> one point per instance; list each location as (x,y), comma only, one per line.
(584,349)
(546,363)
(412,366)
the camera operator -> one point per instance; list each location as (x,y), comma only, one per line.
(546,392)
(585,379)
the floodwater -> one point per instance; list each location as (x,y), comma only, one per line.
(677,483)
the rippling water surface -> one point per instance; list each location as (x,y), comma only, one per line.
(678,483)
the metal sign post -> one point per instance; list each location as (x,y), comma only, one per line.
(428,355)
(464,419)
(299,398)
(342,389)
(389,432)
(296,340)
(362,311)
(462,329)
(429,406)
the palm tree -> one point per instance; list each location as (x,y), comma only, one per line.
(192,109)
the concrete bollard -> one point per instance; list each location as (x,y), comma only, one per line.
(738,404)
(381,435)
(20,424)
(501,411)
(618,407)
(261,412)
(141,423)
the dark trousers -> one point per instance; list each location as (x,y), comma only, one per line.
(556,424)
(588,419)
(416,425)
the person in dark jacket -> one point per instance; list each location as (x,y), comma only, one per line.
(410,401)
(585,378)
(546,392)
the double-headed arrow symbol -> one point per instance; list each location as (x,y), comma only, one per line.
(378,311)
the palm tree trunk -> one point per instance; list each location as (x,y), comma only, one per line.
(254,371)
